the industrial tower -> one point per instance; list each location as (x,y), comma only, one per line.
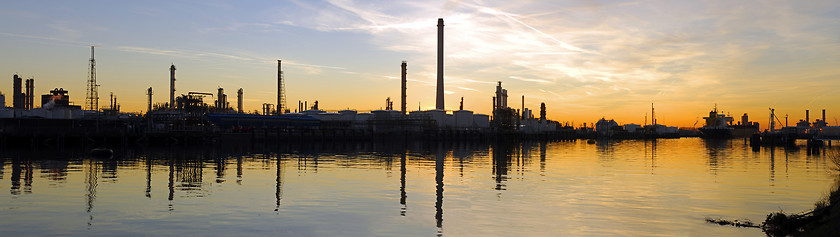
(402,101)
(92,99)
(281,90)
(172,87)
(439,100)
(149,93)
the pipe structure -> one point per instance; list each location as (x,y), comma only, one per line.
(27,96)
(439,101)
(280,91)
(807,117)
(17,94)
(402,102)
(149,93)
(172,87)
(239,100)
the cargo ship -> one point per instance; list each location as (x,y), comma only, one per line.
(718,125)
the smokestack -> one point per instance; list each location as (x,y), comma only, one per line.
(239,100)
(172,87)
(220,99)
(807,117)
(823,117)
(26,98)
(439,104)
(150,100)
(542,112)
(281,91)
(31,93)
(17,95)
(402,103)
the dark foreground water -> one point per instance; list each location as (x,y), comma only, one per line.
(624,188)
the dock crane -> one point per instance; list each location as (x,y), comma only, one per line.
(772,121)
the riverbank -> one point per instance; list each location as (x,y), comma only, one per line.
(824,220)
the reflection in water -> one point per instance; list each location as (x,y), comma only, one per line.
(402,184)
(563,189)
(15,190)
(149,177)
(543,148)
(439,158)
(278,186)
(171,181)
(239,169)
(716,150)
(92,181)
(652,144)
(502,153)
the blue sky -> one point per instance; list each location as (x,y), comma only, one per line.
(584,59)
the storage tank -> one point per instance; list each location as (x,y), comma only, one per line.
(329,116)
(438,116)
(347,115)
(463,119)
(481,120)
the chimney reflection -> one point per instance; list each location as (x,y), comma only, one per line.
(402,184)
(16,172)
(543,148)
(148,177)
(239,170)
(501,162)
(220,169)
(171,182)
(278,186)
(439,158)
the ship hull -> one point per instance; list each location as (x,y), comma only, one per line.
(716,132)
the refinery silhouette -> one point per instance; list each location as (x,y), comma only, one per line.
(188,118)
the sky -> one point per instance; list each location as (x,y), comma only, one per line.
(586,60)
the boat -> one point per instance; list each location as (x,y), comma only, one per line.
(717,125)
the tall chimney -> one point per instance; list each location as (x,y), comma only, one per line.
(172,87)
(149,93)
(439,104)
(823,117)
(807,118)
(239,100)
(402,103)
(17,94)
(26,96)
(279,88)
(31,93)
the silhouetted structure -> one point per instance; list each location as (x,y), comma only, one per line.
(17,95)
(29,96)
(57,98)
(92,99)
(439,101)
(172,87)
(239,101)
(281,91)
(149,93)
(402,102)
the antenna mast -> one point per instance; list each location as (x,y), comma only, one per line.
(92,99)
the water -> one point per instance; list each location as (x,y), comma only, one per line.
(636,188)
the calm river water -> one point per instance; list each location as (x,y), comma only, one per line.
(625,188)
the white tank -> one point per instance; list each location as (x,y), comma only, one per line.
(463,119)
